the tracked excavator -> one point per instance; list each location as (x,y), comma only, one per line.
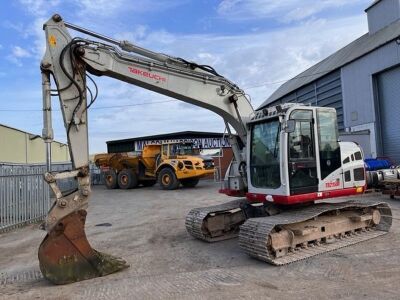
(288,166)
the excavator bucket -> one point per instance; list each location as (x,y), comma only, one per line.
(65,255)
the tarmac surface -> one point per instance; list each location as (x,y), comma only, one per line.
(148,230)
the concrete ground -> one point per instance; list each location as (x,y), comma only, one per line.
(166,263)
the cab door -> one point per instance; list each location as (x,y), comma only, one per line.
(329,150)
(302,164)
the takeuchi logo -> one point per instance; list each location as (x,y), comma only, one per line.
(147,74)
(332,184)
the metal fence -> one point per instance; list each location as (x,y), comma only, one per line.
(96,177)
(24,195)
(65,185)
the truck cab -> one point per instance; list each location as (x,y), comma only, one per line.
(180,163)
(182,149)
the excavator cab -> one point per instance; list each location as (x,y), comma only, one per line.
(295,155)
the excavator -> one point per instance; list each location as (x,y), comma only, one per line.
(291,176)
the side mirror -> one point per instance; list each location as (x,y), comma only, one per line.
(290,126)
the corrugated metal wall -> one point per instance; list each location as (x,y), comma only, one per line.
(326,92)
(357,85)
(21,147)
(382,14)
(362,138)
(389,113)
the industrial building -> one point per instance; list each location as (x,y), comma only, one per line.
(17,146)
(362,81)
(211,144)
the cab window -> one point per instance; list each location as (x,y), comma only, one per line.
(174,149)
(265,155)
(303,176)
(301,142)
(358,155)
(165,149)
(329,149)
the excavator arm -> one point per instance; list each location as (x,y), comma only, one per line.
(65,254)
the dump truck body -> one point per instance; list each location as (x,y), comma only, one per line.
(170,164)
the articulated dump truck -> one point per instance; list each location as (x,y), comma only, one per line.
(171,164)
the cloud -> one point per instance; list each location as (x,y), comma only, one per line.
(257,61)
(39,45)
(19,52)
(83,13)
(260,61)
(107,8)
(100,7)
(17,55)
(40,7)
(41,10)
(259,57)
(135,35)
(34,32)
(283,10)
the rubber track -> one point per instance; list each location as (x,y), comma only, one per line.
(254,233)
(196,217)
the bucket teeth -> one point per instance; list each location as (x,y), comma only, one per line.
(109,264)
(65,255)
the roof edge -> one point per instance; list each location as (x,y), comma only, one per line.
(264,104)
(29,133)
(165,135)
(372,5)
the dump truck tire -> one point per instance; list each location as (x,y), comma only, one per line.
(148,183)
(167,179)
(111,179)
(190,182)
(127,179)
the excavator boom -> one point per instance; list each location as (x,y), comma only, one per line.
(65,254)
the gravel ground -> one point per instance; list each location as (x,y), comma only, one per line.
(166,263)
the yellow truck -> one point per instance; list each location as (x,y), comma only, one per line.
(169,164)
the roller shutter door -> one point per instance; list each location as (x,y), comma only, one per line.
(389,113)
